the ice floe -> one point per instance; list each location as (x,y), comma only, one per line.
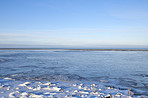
(24,84)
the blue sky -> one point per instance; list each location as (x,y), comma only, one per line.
(74,23)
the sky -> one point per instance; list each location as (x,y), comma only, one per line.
(74,23)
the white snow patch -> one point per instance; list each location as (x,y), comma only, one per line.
(24,84)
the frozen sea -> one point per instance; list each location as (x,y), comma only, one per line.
(122,70)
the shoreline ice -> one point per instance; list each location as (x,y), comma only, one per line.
(64,89)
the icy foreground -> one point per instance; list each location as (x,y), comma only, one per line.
(11,88)
(67,73)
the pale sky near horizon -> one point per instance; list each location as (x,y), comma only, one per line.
(88,23)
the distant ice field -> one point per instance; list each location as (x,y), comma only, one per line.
(118,69)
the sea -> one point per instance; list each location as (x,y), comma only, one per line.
(122,70)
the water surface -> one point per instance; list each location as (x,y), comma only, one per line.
(120,69)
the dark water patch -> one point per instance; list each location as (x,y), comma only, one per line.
(42,63)
(126,82)
(53,67)
(145,84)
(72,51)
(140,74)
(6,68)
(13,69)
(57,51)
(30,66)
(138,88)
(100,78)
(1,67)
(75,77)
(139,92)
